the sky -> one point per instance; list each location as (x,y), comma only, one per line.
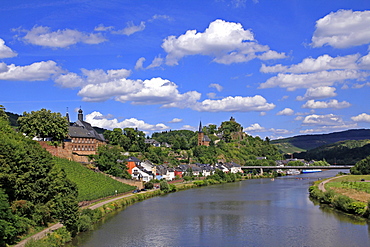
(280,68)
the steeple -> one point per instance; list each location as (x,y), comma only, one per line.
(200,127)
(67,116)
(80,115)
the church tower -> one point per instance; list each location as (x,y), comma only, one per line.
(200,135)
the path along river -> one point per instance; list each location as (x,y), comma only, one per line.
(258,212)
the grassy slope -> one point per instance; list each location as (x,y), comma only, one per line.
(91,185)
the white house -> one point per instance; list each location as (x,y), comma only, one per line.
(138,174)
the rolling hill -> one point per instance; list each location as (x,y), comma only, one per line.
(306,142)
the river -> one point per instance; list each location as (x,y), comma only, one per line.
(258,212)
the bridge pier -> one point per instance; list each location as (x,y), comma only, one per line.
(261,171)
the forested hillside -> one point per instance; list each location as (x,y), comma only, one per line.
(307,142)
(34,189)
(343,152)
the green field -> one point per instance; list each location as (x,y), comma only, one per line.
(351,182)
(91,185)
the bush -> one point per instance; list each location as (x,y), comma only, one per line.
(149,185)
(163,185)
(84,223)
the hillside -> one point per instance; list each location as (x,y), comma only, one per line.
(343,152)
(307,142)
(91,185)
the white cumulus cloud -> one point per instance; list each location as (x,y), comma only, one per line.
(176,120)
(5,51)
(285,112)
(312,104)
(43,36)
(99,120)
(317,79)
(318,93)
(226,42)
(324,62)
(39,71)
(234,104)
(342,29)
(363,117)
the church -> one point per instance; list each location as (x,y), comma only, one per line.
(203,140)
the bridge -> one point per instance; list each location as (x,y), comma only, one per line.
(298,167)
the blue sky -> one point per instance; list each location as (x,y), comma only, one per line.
(280,68)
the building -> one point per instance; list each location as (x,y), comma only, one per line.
(81,141)
(203,140)
(84,138)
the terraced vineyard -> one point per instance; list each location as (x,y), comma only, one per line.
(91,185)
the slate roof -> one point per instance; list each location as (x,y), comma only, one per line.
(82,129)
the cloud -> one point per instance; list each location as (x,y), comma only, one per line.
(363,117)
(318,93)
(324,62)
(317,79)
(139,63)
(234,104)
(99,120)
(257,128)
(312,104)
(131,28)
(40,71)
(218,87)
(157,62)
(342,29)
(5,51)
(226,42)
(176,120)
(73,80)
(102,28)
(329,119)
(42,36)
(160,17)
(285,112)
(269,55)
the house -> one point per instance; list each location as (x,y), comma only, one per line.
(233,167)
(149,166)
(132,162)
(139,173)
(152,142)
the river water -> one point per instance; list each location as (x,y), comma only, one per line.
(258,212)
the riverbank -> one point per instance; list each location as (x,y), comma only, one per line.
(347,193)
(56,235)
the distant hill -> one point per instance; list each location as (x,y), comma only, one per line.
(342,152)
(307,142)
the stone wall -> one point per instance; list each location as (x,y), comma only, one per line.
(64,150)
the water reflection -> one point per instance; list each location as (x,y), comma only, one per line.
(257,212)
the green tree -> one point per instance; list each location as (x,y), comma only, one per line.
(8,227)
(44,123)
(2,112)
(362,167)
(111,160)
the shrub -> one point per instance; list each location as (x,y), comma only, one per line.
(163,185)
(84,223)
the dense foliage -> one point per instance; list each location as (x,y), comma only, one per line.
(343,152)
(362,167)
(110,159)
(129,139)
(90,184)
(44,123)
(36,190)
